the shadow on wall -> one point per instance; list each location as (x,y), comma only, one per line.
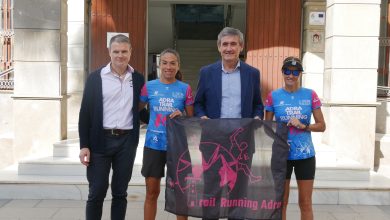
(382,142)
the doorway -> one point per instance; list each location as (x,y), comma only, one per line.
(192,30)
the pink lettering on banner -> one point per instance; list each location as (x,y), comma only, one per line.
(244,203)
(207,202)
(270,204)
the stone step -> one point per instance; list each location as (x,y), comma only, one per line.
(198,63)
(383,170)
(187,50)
(52,166)
(382,154)
(376,191)
(73,131)
(202,53)
(63,166)
(66,162)
(59,166)
(71,147)
(67,148)
(195,54)
(338,181)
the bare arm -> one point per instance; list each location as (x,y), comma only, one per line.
(141,105)
(319,125)
(269,116)
(190,110)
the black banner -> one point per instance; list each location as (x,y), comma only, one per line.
(219,168)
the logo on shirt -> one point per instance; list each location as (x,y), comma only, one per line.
(177,95)
(160,120)
(281,103)
(304,102)
(155,139)
(293,111)
(165,105)
(130,82)
(155,93)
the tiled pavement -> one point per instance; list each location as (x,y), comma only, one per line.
(74,209)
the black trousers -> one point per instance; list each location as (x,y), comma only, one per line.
(119,155)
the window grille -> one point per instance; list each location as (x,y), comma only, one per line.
(6,40)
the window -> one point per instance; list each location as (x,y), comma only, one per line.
(198,22)
(6,40)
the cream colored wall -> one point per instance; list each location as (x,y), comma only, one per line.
(350,77)
(6,129)
(50,68)
(77,63)
(6,109)
(40,56)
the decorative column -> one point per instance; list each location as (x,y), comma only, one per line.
(77,63)
(40,75)
(350,77)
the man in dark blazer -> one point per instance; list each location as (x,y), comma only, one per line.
(228,88)
(227,79)
(109,129)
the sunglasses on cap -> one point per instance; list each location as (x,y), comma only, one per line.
(289,72)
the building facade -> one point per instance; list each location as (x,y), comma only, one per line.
(56,43)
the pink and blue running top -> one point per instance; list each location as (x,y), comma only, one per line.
(299,104)
(163,99)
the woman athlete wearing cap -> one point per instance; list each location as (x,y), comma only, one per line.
(294,105)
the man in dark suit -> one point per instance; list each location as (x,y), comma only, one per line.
(109,129)
(228,88)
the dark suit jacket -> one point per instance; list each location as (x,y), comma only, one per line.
(91,112)
(209,95)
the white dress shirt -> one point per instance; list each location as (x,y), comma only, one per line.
(117,98)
